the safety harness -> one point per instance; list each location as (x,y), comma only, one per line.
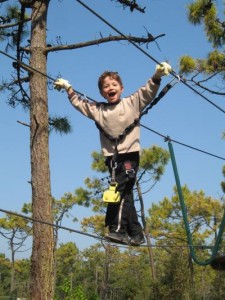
(112,195)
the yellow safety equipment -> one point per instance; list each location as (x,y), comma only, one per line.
(111,195)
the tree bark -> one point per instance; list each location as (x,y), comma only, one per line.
(42,260)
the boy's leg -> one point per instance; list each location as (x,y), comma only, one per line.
(134,228)
(117,228)
(129,214)
(113,217)
(122,218)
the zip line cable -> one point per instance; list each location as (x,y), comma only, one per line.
(96,236)
(50,224)
(173,73)
(27,67)
(166,138)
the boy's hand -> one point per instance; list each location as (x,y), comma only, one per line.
(61,83)
(163,69)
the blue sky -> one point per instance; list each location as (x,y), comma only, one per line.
(182,114)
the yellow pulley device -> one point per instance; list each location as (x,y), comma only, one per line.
(112,195)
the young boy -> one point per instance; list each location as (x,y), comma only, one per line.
(113,118)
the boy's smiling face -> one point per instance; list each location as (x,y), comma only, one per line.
(111,89)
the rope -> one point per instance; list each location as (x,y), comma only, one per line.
(173,73)
(96,236)
(27,67)
(166,138)
(49,224)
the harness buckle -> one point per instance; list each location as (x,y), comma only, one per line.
(130,173)
(129,170)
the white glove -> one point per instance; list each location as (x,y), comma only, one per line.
(61,83)
(163,69)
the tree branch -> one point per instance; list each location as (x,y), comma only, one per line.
(139,40)
(14,24)
(132,4)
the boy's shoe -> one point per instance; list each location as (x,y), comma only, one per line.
(137,240)
(117,237)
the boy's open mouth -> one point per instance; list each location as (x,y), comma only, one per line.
(112,94)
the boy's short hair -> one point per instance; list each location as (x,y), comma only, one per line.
(111,74)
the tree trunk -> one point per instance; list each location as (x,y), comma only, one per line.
(105,279)
(42,260)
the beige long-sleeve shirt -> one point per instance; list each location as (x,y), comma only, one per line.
(115,118)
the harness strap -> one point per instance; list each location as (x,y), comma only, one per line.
(161,94)
(122,135)
(136,122)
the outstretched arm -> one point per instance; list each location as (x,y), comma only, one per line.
(147,93)
(89,109)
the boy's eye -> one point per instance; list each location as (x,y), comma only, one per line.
(108,85)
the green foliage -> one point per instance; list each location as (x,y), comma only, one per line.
(187,64)
(96,222)
(21,271)
(204,218)
(10,33)
(198,9)
(154,160)
(215,62)
(207,71)
(5,272)
(60,125)
(204,11)
(223,182)
(67,256)
(80,197)
(70,293)
(18,224)
(98,163)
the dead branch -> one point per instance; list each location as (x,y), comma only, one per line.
(138,40)
(22,123)
(132,4)
(14,24)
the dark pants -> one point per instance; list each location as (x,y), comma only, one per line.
(122,217)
